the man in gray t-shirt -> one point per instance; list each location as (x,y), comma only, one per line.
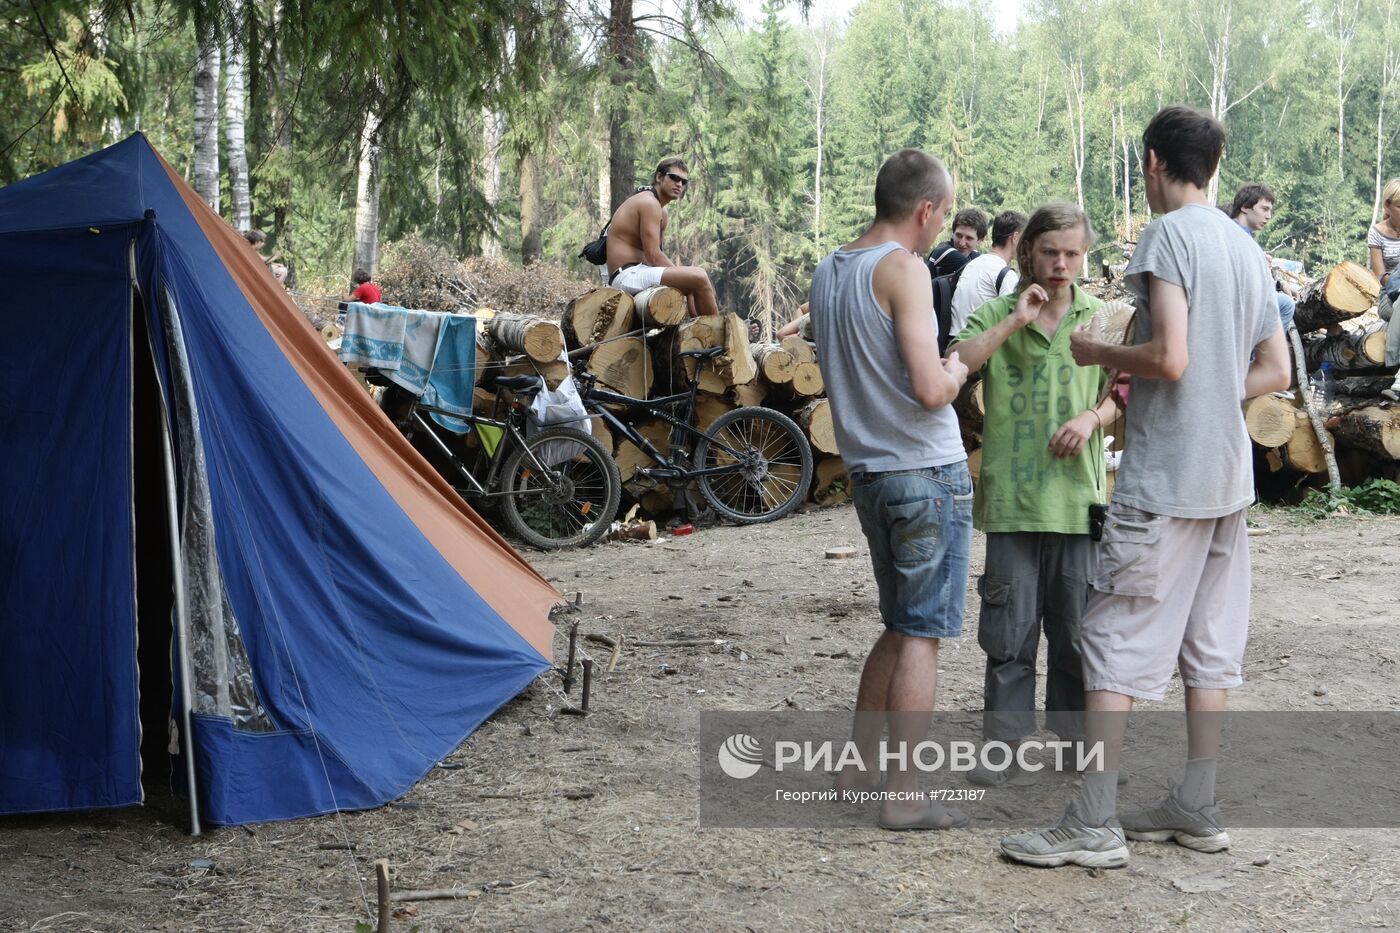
(1171,589)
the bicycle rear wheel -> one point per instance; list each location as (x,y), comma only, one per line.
(571,501)
(771,465)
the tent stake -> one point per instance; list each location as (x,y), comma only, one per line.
(587,682)
(569,666)
(381,876)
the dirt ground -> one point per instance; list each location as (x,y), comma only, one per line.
(558,822)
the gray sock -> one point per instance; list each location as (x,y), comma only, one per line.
(1098,800)
(1197,788)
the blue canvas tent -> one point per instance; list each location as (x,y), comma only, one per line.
(203,516)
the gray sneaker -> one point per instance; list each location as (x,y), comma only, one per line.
(1169,821)
(1071,842)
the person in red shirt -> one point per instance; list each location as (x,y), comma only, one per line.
(365,290)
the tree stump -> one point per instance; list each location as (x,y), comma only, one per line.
(1347,291)
(733,367)
(597,315)
(1357,347)
(623,365)
(801,350)
(807,380)
(830,481)
(554,371)
(709,408)
(540,340)
(660,306)
(1270,420)
(815,419)
(1373,429)
(969,406)
(751,393)
(775,364)
(1303,452)
(631,458)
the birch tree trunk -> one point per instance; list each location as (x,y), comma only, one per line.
(283,190)
(816,86)
(1344,14)
(1218,37)
(1390,73)
(494,128)
(235,123)
(367,196)
(604,173)
(206,118)
(604,194)
(1074,105)
(1127,180)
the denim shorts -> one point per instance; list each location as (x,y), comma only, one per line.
(918,524)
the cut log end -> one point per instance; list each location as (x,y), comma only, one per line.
(1270,420)
(815,418)
(660,306)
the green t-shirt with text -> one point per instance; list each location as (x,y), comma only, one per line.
(1031,386)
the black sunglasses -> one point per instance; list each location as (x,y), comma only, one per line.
(678,179)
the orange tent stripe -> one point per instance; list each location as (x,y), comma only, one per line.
(484,559)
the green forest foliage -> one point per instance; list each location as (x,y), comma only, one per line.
(783,118)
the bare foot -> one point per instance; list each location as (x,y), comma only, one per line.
(902,815)
(854,779)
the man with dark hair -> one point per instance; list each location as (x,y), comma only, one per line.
(635,259)
(1171,585)
(364,288)
(969,229)
(258,240)
(1252,209)
(891,397)
(989,275)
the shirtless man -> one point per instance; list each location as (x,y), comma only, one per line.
(635,259)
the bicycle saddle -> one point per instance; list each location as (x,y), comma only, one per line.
(706,353)
(520,385)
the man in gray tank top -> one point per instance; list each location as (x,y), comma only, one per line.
(891,397)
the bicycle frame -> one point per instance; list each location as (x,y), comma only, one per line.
(511,435)
(595,399)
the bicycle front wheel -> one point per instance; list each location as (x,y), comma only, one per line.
(561,489)
(766,460)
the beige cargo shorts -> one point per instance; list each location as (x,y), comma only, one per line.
(1167,592)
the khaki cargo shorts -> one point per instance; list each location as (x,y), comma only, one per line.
(1167,592)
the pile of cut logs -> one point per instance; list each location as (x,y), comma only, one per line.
(632,344)
(1358,431)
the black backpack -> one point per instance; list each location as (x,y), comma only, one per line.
(943,288)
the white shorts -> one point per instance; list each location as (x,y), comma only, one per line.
(1167,592)
(638,278)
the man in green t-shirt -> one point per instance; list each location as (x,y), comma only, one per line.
(1042,467)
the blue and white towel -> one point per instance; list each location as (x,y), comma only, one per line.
(420,342)
(453,375)
(373,336)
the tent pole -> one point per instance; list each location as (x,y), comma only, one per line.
(182,626)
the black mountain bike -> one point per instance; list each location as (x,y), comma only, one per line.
(557,487)
(752,465)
